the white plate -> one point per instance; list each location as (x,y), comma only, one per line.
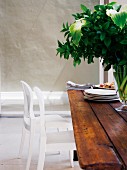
(96,96)
(100,92)
(101,100)
(100,97)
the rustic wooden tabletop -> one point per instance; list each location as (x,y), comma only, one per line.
(100,133)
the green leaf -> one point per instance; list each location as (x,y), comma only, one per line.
(107,67)
(104,50)
(116,7)
(66,55)
(106,25)
(63,30)
(90,59)
(107,41)
(84,8)
(123,62)
(67,25)
(63,25)
(79,61)
(119,19)
(59,43)
(74,63)
(75,30)
(86,41)
(112,30)
(111,3)
(96,7)
(66,33)
(99,7)
(61,54)
(102,7)
(76,37)
(60,50)
(102,36)
(74,15)
(123,42)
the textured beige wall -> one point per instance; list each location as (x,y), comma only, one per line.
(29,30)
(122,2)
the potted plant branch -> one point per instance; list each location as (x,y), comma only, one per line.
(101,33)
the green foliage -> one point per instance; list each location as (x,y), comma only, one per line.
(120,19)
(75,30)
(93,34)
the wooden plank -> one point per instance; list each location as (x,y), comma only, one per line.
(115,126)
(95,151)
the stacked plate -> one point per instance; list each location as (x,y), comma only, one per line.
(100,95)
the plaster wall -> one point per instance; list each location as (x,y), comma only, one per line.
(29,31)
(122,2)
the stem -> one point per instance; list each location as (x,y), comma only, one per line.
(121,80)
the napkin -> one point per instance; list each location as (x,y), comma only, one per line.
(73,86)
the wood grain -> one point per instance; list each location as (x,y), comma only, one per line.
(115,126)
(94,149)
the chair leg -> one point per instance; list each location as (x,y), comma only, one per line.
(32,130)
(42,151)
(71,158)
(22,142)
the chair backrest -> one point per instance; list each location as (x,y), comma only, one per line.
(28,100)
(40,98)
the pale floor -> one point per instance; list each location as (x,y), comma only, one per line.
(10,135)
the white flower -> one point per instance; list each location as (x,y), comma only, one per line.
(111,12)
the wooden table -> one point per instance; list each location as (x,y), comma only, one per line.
(100,133)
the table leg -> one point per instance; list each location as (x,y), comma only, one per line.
(75,156)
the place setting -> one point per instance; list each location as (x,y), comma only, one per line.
(101,95)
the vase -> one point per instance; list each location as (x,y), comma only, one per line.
(120,75)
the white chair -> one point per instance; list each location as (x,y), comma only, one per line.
(31,121)
(58,141)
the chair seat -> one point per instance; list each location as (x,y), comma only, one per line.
(52,121)
(56,141)
(55,121)
(61,137)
